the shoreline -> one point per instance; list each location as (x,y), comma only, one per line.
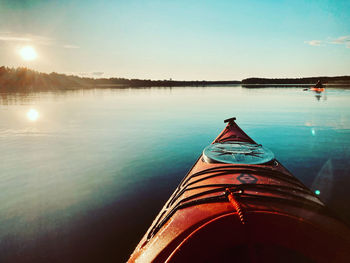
(27,80)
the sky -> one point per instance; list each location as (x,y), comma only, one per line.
(181,40)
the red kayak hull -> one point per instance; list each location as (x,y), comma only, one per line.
(250,213)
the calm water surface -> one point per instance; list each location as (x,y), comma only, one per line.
(84,173)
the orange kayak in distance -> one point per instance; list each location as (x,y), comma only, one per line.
(317,89)
(239,204)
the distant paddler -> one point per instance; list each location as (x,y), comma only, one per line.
(318,87)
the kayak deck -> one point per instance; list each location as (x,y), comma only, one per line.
(220,208)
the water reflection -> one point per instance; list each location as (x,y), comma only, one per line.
(318,97)
(71,180)
(32,115)
(319,93)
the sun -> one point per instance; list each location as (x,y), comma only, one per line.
(33,115)
(28,53)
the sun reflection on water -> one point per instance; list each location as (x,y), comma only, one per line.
(33,115)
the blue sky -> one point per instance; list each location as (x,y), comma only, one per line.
(185,40)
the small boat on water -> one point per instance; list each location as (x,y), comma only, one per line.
(318,87)
(239,204)
(319,90)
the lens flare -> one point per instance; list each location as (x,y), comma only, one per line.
(313,131)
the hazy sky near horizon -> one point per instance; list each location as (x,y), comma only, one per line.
(183,39)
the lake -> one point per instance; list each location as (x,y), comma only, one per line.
(84,173)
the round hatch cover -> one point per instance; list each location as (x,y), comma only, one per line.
(237,153)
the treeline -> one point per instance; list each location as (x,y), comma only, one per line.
(159,83)
(24,79)
(306,81)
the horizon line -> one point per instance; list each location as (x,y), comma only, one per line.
(170,79)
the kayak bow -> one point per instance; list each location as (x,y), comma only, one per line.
(238,203)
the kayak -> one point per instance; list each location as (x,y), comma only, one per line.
(317,89)
(239,204)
